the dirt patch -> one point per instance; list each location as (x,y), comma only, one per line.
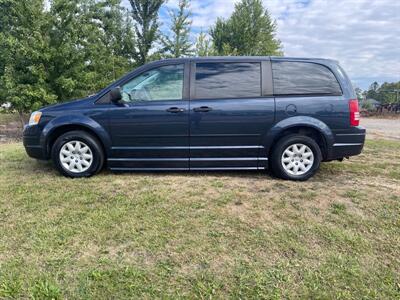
(10,128)
(379,128)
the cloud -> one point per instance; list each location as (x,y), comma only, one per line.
(364,35)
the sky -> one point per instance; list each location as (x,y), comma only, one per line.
(363,35)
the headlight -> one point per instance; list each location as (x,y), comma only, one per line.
(35,118)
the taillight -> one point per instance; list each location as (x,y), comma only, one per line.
(354,112)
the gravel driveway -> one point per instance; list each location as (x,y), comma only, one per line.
(382,128)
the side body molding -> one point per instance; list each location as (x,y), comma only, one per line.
(298,121)
(76,120)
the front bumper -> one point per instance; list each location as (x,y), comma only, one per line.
(31,141)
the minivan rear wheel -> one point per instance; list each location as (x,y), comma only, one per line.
(295,157)
(77,154)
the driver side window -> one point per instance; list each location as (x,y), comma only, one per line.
(163,83)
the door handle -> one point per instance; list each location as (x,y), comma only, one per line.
(175,110)
(202,109)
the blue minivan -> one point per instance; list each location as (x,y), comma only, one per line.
(211,113)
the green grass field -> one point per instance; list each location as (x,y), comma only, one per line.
(201,235)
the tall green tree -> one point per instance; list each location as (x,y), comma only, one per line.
(68,50)
(24,55)
(203,46)
(91,43)
(178,43)
(117,36)
(145,16)
(373,91)
(250,30)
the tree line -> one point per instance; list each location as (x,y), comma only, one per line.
(386,93)
(57,50)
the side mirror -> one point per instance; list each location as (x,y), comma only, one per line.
(115,94)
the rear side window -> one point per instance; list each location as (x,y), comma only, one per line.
(227,80)
(303,78)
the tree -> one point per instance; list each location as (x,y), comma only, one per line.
(220,34)
(388,92)
(248,31)
(203,46)
(359,93)
(70,50)
(374,86)
(24,55)
(372,92)
(117,36)
(68,33)
(145,15)
(91,44)
(179,44)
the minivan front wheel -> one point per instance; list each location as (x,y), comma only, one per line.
(295,157)
(77,154)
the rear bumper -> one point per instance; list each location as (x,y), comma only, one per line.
(345,150)
(348,143)
(31,141)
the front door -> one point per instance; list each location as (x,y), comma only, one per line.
(229,115)
(149,129)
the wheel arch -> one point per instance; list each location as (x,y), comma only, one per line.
(57,127)
(307,126)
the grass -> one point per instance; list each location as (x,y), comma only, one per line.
(201,235)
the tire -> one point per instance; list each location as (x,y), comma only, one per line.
(306,160)
(83,150)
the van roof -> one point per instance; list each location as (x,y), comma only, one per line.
(230,58)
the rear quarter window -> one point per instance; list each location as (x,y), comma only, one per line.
(304,78)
